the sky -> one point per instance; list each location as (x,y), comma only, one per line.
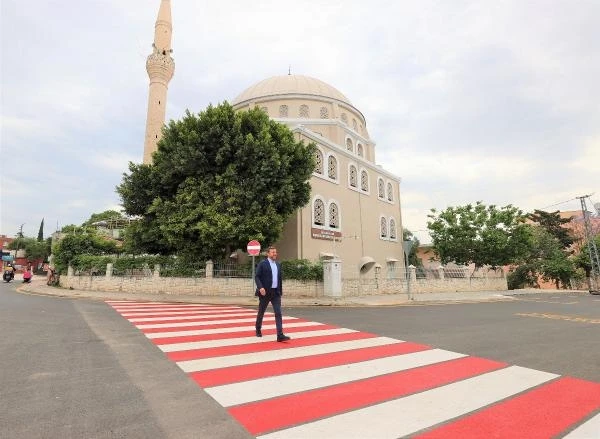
(492,101)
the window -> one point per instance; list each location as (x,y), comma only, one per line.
(319,162)
(383,227)
(303,111)
(324,113)
(380,188)
(349,145)
(364,181)
(319,212)
(345,118)
(392,228)
(361,152)
(332,167)
(334,220)
(353,176)
(390,192)
(283,111)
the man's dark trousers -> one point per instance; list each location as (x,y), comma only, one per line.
(275,299)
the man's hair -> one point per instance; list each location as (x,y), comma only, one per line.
(271,247)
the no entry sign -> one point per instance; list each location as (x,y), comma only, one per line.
(253,248)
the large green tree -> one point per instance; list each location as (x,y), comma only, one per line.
(413,259)
(554,225)
(479,234)
(218,179)
(34,249)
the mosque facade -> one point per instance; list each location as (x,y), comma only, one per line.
(354,212)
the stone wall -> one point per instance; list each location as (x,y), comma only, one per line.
(292,288)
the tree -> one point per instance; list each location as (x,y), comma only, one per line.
(413,259)
(80,241)
(479,234)
(103,216)
(218,179)
(33,248)
(553,224)
(40,236)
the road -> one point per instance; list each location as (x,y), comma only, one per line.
(77,368)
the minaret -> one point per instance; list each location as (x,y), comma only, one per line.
(160,67)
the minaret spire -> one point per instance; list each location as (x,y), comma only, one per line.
(160,67)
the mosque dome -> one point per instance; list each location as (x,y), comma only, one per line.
(290,85)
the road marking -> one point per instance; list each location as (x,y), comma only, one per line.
(330,382)
(560,317)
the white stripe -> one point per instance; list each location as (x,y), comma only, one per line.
(260,357)
(178,310)
(587,430)
(240,393)
(204,323)
(127,302)
(175,347)
(204,316)
(198,312)
(227,330)
(401,417)
(169,306)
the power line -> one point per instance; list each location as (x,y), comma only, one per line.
(556,204)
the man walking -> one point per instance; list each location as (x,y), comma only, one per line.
(269,289)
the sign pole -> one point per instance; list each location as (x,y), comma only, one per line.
(253,249)
(253,273)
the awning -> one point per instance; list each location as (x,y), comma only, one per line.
(391,260)
(366,263)
(325,255)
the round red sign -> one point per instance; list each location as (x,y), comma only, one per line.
(253,248)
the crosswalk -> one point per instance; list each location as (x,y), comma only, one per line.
(331,382)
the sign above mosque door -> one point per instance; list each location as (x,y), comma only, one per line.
(325,234)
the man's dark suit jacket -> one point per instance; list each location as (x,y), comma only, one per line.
(264,277)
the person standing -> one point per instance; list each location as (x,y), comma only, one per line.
(269,289)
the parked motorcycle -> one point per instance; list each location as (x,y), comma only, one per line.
(8,275)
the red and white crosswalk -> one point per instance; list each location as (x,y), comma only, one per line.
(331,382)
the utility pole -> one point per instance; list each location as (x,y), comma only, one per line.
(592,248)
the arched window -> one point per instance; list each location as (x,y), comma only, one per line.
(390,192)
(345,118)
(361,152)
(380,188)
(303,111)
(319,212)
(324,113)
(383,227)
(283,111)
(354,125)
(392,228)
(319,162)
(334,219)
(349,145)
(332,167)
(353,176)
(364,181)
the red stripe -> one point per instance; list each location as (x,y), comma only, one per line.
(267,320)
(184,314)
(277,413)
(236,374)
(195,354)
(198,319)
(249,333)
(542,412)
(171,308)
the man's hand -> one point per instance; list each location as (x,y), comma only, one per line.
(262,291)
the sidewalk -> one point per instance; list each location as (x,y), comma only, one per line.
(38,286)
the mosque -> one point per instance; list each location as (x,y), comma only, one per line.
(354,212)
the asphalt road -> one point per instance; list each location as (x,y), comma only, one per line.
(553,333)
(76,369)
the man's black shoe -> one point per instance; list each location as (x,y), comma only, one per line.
(282,337)
(258,333)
